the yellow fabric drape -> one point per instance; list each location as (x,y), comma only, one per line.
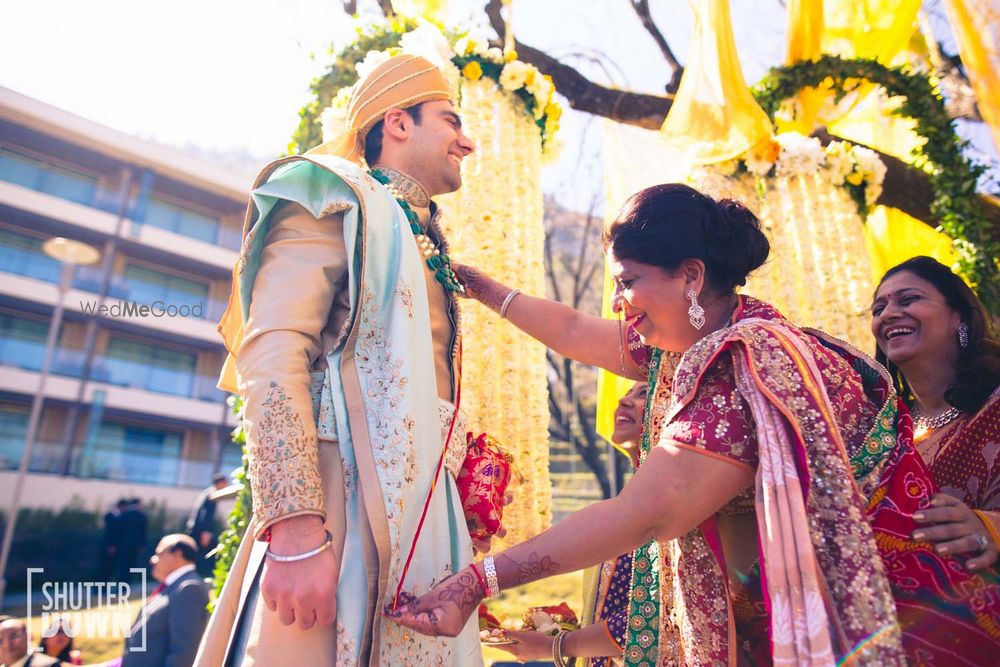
(714,116)
(892,236)
(976,25)
(876,29)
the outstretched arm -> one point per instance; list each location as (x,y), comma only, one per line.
(591,340)
(675,490)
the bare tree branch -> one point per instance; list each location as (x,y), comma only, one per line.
(350,6)
(386,7)
(584,95)
(641,8)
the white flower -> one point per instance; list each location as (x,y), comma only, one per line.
(799,154)
(372,60)
(333,120)
(474,43)
(541,87)
(514,75)
(838,162)
(494,54)
(757,166)
(428,42)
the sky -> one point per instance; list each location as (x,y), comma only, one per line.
(231,76)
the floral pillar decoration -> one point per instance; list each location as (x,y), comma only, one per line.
(495,221)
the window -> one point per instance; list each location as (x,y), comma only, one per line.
(33,173)
(13,429)
(134,454)
(166,215)
(133,364)
(22,342)
(23,255)
(149,285)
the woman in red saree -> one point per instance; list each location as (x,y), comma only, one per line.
(771,473)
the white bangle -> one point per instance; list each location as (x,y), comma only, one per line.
(308,554)
(506,302)
(490,570)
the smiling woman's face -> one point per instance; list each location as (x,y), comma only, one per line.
(628,416)
(912,321)
(651,299)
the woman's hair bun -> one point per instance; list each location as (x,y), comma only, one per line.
(734,242)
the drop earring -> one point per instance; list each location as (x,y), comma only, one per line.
(696,314)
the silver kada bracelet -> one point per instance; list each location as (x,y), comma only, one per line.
(506,302)
(490,570)
(309,554)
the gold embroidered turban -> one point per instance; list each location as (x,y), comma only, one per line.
(401,82)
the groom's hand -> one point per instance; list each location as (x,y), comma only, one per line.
(302,592)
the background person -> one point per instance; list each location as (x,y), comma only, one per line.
(14,647)
(606,612)
(204,526)
(59,645)
(176,612)
(933,335)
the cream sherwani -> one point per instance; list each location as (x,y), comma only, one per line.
(316,366)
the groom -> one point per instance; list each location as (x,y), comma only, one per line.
(343,334)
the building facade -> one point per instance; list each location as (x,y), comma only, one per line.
(131,407)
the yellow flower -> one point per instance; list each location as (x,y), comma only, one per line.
(855,178)
(473,71)
(553,111)
(510,56)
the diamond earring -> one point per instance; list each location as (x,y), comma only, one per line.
(963,334)
(696,314)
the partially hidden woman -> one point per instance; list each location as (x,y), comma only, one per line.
(933,335)
(605,614)
(772,464)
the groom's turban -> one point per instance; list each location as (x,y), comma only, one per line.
(401,82)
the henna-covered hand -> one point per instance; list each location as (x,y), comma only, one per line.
(535,566)
(480,286)
(442,611)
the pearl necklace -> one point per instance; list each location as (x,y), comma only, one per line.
(923,423)
(437,261)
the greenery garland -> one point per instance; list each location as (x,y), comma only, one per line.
(239,518)
(953,176)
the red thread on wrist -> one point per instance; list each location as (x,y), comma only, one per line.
(482,581)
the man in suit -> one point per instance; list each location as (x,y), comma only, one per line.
(14,647)
(175,612)
(203,524)
(131,539)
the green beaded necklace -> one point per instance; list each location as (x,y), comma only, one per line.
(437,261)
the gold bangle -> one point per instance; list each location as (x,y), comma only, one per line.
(557,641)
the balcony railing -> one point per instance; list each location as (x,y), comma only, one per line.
(29,355)
(110,462)
(40,266)
(159,379)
